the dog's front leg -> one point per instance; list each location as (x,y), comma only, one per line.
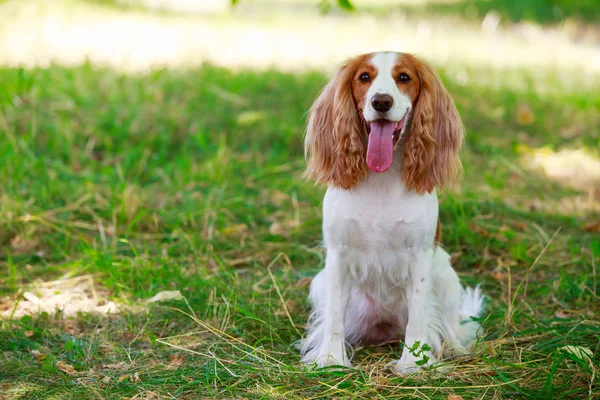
(332,350)
(415,355)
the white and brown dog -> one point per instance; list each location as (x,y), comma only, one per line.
(382,135)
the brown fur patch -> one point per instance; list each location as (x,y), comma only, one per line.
(359,89)
(438,233)
(335,136)
(430,152)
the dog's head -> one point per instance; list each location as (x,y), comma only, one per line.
(375,105)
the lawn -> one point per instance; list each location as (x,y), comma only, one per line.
(115,187)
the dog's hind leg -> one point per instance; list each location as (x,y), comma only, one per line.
(458,305)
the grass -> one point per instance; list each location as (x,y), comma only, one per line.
(546,12)
(190,180)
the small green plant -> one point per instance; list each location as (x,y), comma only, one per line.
(418,350)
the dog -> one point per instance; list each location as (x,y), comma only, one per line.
(382,136)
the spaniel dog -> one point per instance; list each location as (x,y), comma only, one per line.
(382,136)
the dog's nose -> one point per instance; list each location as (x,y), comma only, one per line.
(382,102)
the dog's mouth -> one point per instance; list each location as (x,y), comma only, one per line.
(383,137)
(397,128)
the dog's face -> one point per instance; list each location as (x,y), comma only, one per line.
(384,89)
(378,102)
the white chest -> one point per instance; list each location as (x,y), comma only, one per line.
(378,226)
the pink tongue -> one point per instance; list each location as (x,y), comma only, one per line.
(381,146)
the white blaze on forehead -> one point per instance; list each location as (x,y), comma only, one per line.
(384,62)
(385,83)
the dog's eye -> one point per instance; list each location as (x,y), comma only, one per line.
(364,77)
(403,78)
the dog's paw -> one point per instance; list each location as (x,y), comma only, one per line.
(331,352)
(405,369)
(409,364)
(329,360)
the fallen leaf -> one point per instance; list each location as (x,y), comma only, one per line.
(66,368)
(563,314)
(535,205)
(31,298)
(106,379)
(479,230)
(304,282)
(20,245)
(29,333)
(165,296)
(135,377)
(583,353)
(500,276)
(593,227)
(519,225)
(240,261)
(282,228)
(236,229)
(119,365)
(501,238)
(276,229)
(37,355)
(177,360)
(93,373)
(454,397)
(292,306)
(524,115)
(279,198)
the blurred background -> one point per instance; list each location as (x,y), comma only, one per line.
(134,35)
(152,150)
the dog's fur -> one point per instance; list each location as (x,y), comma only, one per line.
(385,275)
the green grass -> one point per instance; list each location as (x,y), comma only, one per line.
(540,11)
(536,11)
(191,181)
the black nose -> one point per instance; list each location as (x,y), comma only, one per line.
(382,102)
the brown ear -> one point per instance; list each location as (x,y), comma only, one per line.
(334,144)
(430,156)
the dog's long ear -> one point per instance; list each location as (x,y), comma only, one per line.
(334,145)
(430,156)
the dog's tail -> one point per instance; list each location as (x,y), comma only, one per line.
(471,306)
